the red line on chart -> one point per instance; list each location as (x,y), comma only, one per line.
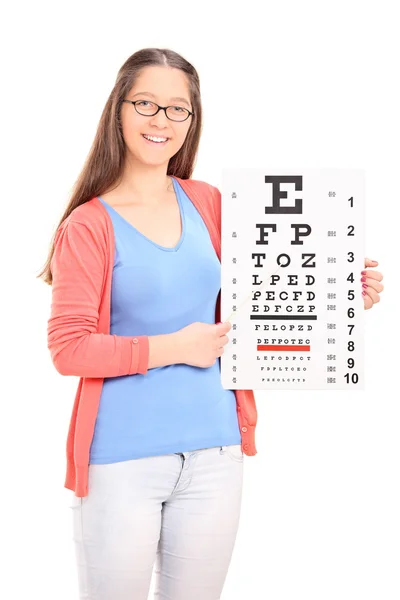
(283,348)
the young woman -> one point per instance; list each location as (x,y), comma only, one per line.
(155,445)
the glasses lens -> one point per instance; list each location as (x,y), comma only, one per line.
(144,107)
(177,113)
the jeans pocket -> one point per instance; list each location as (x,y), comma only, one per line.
(74,501)
(234,451)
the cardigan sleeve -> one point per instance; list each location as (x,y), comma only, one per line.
(217,208)
(216,198)
(76,348)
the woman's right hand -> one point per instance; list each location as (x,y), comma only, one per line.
(200,344)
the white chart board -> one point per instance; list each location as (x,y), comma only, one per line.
(292,252)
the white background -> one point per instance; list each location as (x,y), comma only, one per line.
(283,83)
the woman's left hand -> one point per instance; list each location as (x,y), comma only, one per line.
(371,286)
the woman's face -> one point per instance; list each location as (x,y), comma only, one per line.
(162,85)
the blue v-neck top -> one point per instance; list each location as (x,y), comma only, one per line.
(157,290)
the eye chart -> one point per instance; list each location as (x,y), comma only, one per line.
(292,252)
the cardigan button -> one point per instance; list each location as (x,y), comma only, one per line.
(246,447)
(244,429)
(135,340)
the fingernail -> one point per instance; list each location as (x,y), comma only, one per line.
(363,279)
(364,292)
(364,285)
(363,272)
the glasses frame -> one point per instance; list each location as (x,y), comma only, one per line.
(164,108)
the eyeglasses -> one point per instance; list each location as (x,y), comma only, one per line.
(149,109)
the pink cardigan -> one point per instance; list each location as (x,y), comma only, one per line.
(78,331)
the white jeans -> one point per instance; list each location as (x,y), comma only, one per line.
(179,512)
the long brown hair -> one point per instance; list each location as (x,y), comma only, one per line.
(105,162)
